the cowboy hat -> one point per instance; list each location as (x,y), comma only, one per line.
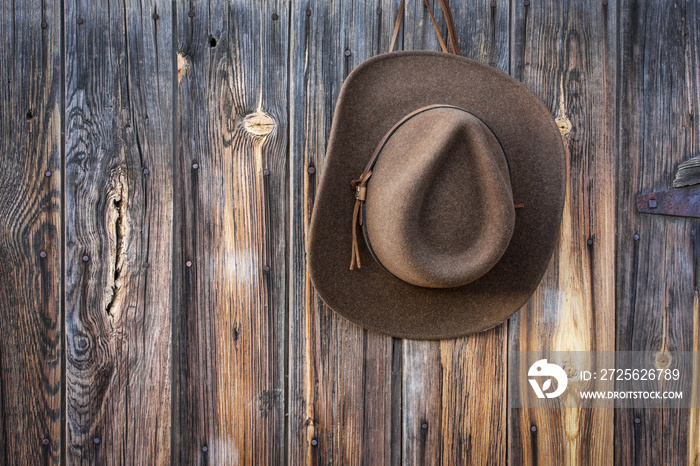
(440,197)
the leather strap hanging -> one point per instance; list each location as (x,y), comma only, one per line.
(449,19)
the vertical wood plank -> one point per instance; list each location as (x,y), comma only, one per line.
(30,233)
(566,53)
(444,420)
(340,376)
(231,222)
(118,200)
(657,275)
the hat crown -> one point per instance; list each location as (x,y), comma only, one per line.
(439,208)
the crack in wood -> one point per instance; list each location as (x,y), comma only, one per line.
(118,230)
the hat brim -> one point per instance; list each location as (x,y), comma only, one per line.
(377,94)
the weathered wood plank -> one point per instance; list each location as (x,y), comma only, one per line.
(30,233)
(566,53)
(118,206)
(231,223)
(443,421)
(340,375)
(657,275)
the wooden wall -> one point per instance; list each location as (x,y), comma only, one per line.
(158,171)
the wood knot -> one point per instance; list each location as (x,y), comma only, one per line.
(564,125)
(663,360)
(259,124)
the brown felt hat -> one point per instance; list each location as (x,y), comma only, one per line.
(443,184)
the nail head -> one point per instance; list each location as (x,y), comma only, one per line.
(275,17)
(146,265)
(146,171)
(605,2)
(44,25)
(80,20)
(42,253)
(314,442)
(86,258)
(527,3)
(348,53)
(308,12)
(379,11)
(637,420)
(424,426)
(46,441)
(533,428)
(266,172)
(636,237)
(205,448)
(96,440)
(155,17)
(652,203)
(188,263)
(191,14)
(195,166)
(266,268)
(312,170)
(590,241)
(493,4)
(48,173)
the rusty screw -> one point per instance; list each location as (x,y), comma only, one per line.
(379,11)
(308,12)
(652,203)
(80,20)
(275,17)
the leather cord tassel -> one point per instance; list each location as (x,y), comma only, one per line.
(359,185)
(355,258)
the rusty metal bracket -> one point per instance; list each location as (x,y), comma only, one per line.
(679,202)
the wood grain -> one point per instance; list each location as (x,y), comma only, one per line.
(454,403)
(30,234)
(340,376)
(119,191)
(231,223)
(566,53)
(657,277)
(184,141)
